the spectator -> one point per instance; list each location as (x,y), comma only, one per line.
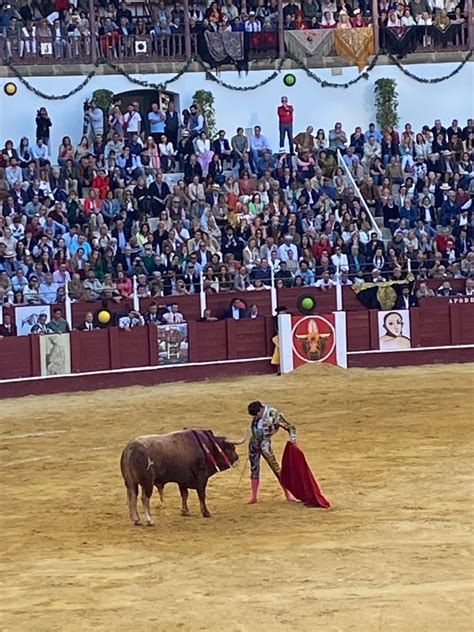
(41,326)
(7,328)
(58,324)
(237,309)
(285,121)
(88,323)
(173,316)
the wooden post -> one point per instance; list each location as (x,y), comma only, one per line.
(187,31)
(375,25)
(281,36)
(470,23)
(93,26)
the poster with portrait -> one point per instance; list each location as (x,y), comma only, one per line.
(172,344)
(55,354)
(27,316)
(394,330)
(314,339)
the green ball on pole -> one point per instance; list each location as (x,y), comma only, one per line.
(308,303)
(289,80)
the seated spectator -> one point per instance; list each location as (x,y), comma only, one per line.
(131,320)
(173,316)
(236,310)
(58,324)
(7,328)
(41,326)
(88,324)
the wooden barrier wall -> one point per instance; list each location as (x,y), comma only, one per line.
(438,322)
(114,348)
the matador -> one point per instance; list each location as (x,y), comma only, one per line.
(266,421)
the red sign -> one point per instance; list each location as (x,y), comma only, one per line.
(314,339)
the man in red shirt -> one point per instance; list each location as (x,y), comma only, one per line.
(285,120)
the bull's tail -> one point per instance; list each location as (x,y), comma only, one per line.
(134,465)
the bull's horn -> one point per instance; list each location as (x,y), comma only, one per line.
(239,441)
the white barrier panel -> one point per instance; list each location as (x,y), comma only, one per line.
(312,339)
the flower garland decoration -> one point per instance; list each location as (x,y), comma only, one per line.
(215,79)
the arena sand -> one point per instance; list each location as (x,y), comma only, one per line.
(392,450)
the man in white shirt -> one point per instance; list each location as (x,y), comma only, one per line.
(252,25)
(325,282)
(284,249)
(39,151)
(14,172)
(131,320)
(61,276)
(133,120)
(174,316)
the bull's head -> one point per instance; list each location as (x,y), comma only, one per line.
(228,447)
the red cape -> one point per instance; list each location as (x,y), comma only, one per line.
(297,477)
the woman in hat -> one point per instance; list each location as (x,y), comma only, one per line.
(266,421)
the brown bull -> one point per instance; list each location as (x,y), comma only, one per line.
(187,457)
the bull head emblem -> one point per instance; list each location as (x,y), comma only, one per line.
(314,343)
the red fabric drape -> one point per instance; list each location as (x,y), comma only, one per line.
(297,478)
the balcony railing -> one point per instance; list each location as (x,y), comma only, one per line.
(17,49)
(78,50)
(404,40)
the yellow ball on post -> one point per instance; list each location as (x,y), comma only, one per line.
(104,317)
(10,88)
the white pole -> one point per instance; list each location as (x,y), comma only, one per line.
(136,300)
(202,295)
(273,292)
(67,305)
(339,290)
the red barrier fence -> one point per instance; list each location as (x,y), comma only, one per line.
(114,348)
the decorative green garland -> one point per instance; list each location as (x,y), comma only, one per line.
(212,77)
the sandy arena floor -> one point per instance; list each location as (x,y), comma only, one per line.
(392,450)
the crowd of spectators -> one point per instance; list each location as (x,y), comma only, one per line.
(29,28)
(63,29)
(439,13)
(95,214)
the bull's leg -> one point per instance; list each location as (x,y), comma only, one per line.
(160,491)
(184,498)
(132,495)
(147,491)
(201,492)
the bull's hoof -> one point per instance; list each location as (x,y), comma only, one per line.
(150,523)
(206,514)
(137,523)
(185,513)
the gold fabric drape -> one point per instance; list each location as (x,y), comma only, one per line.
(356,44)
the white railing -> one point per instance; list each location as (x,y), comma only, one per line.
(341,163)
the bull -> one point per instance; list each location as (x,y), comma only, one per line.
(187,457)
